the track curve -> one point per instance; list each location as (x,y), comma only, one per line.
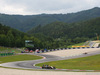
(31,64)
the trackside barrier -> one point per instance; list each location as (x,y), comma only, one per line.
(6,54)
(43,51)
(50,50)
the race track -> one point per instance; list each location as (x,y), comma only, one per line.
(47,57)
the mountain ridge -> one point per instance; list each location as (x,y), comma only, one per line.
(27,22)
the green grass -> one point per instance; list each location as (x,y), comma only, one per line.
(79,44)
(18,58)
(85,63)
(6,49)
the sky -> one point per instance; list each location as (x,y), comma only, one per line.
(33,7)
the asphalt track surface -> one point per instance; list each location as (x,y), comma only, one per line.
(31,64)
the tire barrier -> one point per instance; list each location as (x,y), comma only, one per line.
(6,54)
(43,51)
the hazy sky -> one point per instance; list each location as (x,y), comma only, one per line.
(29,7)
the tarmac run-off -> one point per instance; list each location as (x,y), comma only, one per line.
(62,54)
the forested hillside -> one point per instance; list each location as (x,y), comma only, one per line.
(53,35)
(49,30)
(13,38)
(75,32)
(25,23)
